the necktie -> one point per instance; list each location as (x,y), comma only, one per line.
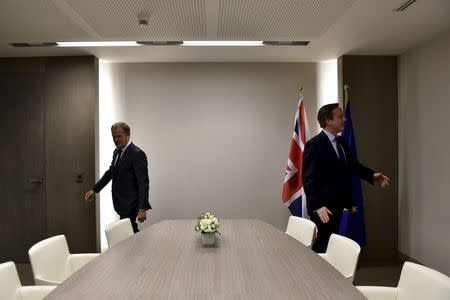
(119,155)
(340,151)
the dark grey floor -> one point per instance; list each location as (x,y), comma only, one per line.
(380,273)
(385,273)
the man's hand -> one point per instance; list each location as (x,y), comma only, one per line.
(89,196)
(323,214)
(142,216)
(382,180)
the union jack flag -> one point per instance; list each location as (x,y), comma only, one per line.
(293,193)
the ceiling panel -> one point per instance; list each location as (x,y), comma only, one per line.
(334,27)
(36,21)
(167,19)
(278,20)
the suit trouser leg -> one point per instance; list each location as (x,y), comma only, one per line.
(324,231)
(132,216)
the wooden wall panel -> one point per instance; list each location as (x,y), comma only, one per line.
(22,171)
(374,104)
(71,96)
(49,107)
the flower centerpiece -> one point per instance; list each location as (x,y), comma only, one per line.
(207,225)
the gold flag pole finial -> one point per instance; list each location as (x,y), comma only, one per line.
(346,88)
(300,90)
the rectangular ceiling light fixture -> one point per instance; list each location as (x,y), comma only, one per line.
(222,43)
(98,44)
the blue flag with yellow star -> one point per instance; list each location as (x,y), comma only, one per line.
(352,225)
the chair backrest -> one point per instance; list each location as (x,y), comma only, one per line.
(301,229)
(50,259)
(419,282)
(9,282)
(343,254)
(118,231)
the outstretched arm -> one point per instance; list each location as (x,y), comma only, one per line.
(89,196)
(363,171)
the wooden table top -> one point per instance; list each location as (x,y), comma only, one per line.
(251,260)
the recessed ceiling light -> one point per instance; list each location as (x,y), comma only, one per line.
(98,44)
(222,43)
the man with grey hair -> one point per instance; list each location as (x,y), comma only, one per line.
(129,175)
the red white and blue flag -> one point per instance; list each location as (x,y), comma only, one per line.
(293,193)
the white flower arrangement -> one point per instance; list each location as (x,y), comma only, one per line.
(207,223)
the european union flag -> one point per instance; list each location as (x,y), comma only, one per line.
(352,225)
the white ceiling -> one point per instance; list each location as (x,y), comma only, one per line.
(333,27)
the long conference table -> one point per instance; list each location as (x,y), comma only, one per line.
(251,260)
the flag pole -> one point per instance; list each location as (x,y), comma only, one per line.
(346,88)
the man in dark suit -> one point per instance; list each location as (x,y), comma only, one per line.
(328,166)
(129,174)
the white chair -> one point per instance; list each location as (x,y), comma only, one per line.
(301,229)
(416,282)
(118,231)
(342,253)
(52,263)
(11,289)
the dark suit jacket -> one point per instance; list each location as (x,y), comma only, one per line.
(326,180)
(130,181)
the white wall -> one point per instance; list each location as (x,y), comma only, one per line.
(424,147)
(217,134)
(327,86)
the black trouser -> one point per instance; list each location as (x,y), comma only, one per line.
(132,216)
(325,230)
